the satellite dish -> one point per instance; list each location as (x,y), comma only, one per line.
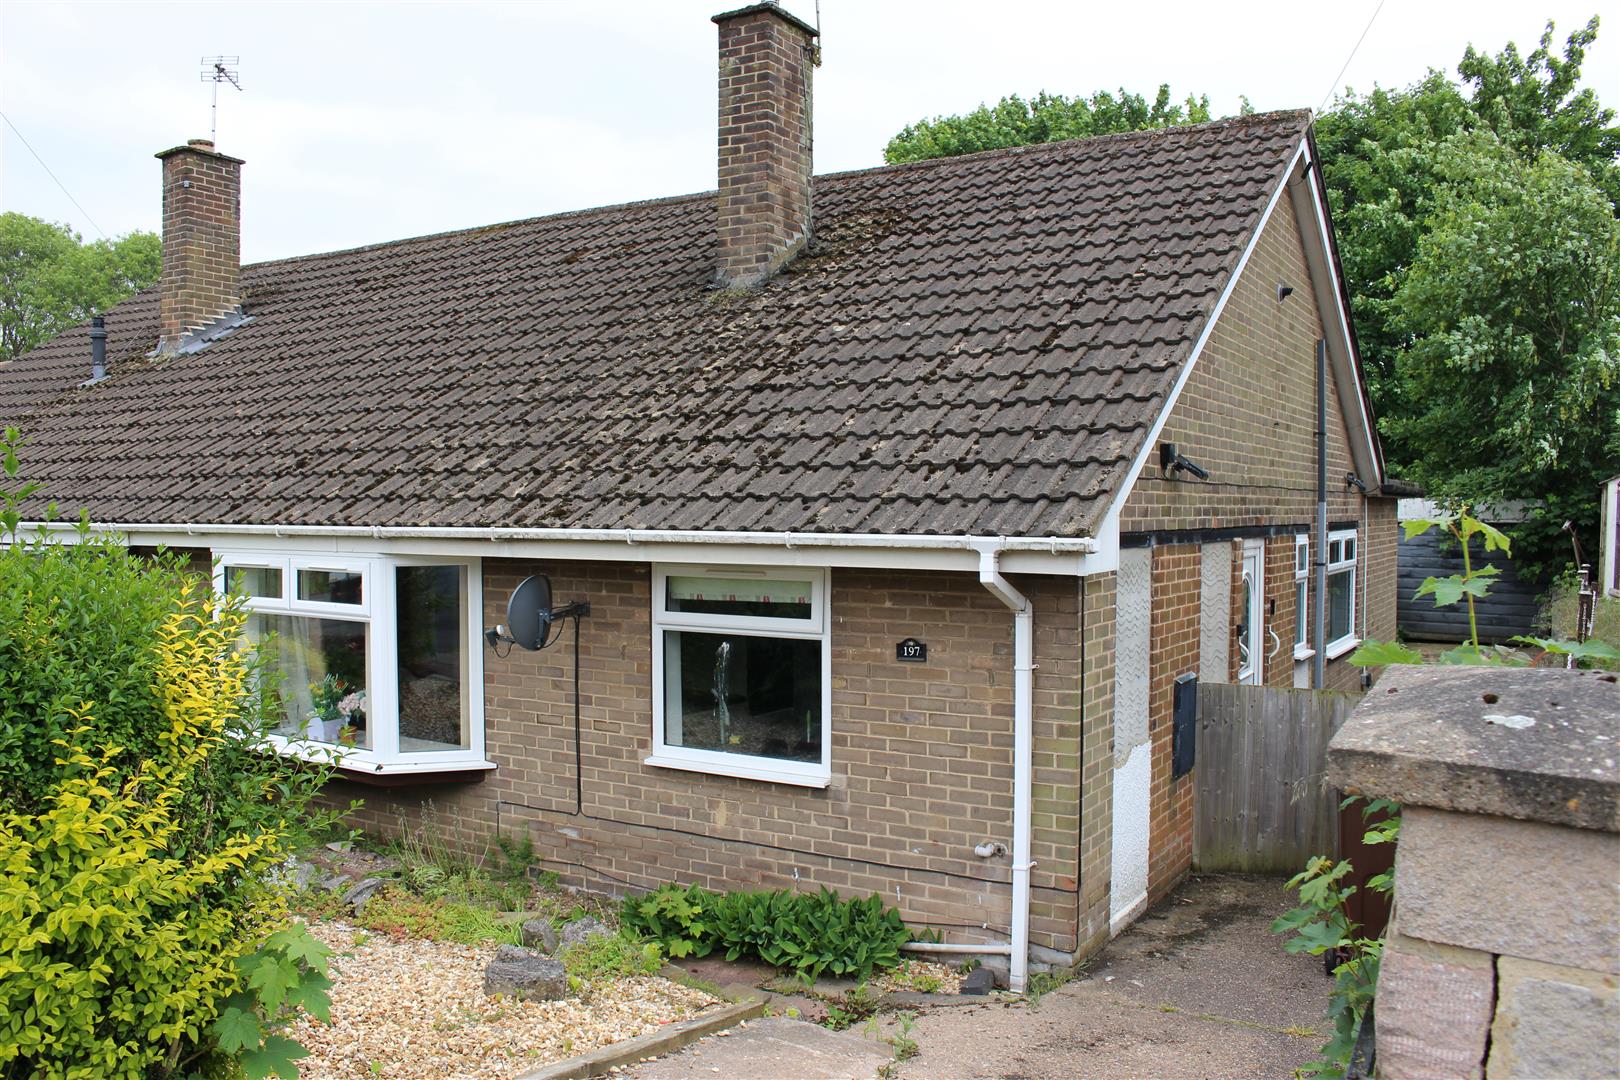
(528,612)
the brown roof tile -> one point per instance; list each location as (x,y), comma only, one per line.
(972,345)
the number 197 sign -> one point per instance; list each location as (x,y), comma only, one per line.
(911,651)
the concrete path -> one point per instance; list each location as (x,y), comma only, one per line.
(1197,988)
(774,1047)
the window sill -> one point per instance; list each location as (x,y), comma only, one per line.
(1303,652)
(1336,649)
(749,770)
(360,765)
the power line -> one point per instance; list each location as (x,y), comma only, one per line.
(1351,57)
(52,175)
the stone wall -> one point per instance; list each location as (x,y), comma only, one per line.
(1504,957)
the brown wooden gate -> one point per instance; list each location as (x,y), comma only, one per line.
(1262,803)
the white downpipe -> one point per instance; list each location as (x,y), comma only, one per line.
(1023,754)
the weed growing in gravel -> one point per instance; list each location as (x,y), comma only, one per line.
(611,956)
(910,976)
(402,914)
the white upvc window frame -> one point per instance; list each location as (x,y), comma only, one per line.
(1343,556)
(377,609)
(816,628)
(1302,592)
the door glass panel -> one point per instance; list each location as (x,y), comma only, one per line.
(1245,633)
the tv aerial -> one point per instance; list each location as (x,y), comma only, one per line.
(530,616)
(220,69)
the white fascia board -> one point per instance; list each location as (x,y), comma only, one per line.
(1069,557)
(1150,444)
(1310,206)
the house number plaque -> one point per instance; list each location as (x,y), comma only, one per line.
(912,651)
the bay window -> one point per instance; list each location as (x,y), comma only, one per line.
(741,681)
(1341,592)
(375,659)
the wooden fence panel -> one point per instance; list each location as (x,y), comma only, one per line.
(1262,803)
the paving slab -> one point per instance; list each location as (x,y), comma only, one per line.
(776,1047)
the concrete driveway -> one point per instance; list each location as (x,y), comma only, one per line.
(1197,988)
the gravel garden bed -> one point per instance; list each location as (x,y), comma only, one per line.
(416,1008)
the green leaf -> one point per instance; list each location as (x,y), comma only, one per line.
(1380,653)
(270,979)
(275,1058)
(1418,526)
(237,1029)
(1494,539)
(1449,590)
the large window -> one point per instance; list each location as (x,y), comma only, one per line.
(374,658)
(1341,592)
(740,673)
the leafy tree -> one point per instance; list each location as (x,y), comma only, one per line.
(1380,156)
(1046,118)
(1512,310)
(51,280)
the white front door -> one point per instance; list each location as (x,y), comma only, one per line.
(1251,632)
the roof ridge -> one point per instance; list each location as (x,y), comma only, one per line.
(1056,146)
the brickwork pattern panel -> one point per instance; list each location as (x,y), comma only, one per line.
(921,756)
(1177,574)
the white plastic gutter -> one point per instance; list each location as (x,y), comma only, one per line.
(1055,544)
(1023,752)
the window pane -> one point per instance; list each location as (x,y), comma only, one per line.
(775,598)
(262,581)
(1302,558)
(739,694)
(329,586)
(432,616)
(1301,611)
(1340,595)
(321,691)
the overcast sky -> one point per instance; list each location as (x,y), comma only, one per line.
(364,122)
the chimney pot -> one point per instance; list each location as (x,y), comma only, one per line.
(766,56)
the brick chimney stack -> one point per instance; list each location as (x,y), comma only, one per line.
(202,240)
(766,56)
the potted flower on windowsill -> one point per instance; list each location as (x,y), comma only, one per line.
(337,706)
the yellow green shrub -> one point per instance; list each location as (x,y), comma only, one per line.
(118,958)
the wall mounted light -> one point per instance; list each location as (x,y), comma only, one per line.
(1284,292)
(1351,480)
(1171,461)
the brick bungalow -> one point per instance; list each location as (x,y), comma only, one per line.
(901,498)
